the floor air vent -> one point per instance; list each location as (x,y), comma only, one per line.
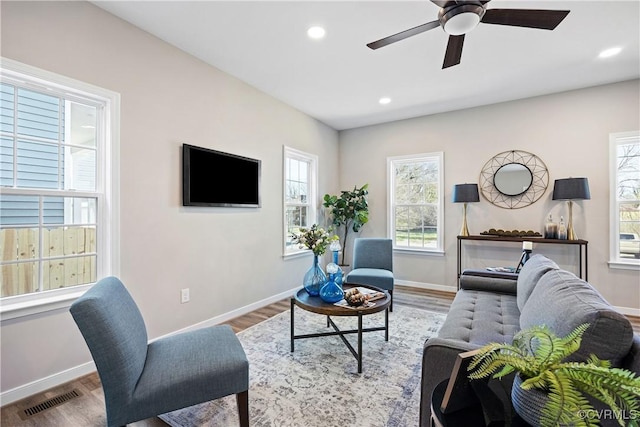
(48,404)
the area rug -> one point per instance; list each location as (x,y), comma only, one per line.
(318,384)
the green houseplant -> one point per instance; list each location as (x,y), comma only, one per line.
(538,356)
(349,211)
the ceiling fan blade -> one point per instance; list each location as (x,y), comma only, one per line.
(404,34)
(531,18)
(454,51)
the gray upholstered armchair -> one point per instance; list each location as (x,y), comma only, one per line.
(141,379)
(373,264)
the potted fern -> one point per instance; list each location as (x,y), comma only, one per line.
(559,387)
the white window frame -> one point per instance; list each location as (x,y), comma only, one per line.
(616,261)
(107,184)
(414,158)
(312,159)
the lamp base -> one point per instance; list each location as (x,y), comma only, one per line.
(571,234)
(464,231)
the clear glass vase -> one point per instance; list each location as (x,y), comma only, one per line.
(314,279)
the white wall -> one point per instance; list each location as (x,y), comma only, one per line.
(229,258)
(568,131)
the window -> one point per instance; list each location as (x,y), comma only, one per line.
(625,198)
(58,175)
(415,202)
(300,194)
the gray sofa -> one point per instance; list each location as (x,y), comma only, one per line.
(493,307)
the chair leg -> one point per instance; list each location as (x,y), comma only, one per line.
(243,408)
(391,305)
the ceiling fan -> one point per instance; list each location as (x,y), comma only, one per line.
(458,17)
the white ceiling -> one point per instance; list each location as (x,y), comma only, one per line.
(338,80)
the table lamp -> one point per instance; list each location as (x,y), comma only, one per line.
(465,193)
(571,189)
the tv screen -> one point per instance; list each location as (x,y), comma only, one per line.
(214,178)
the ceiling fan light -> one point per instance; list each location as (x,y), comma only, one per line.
(461,23)
(460,18)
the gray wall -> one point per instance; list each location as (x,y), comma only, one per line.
(568,131)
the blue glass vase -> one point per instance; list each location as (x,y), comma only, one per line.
(331,292)
(314,279)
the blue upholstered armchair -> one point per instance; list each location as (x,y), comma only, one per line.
(141,379)
(373,264)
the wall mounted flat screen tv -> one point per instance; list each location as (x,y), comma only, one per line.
(215,178)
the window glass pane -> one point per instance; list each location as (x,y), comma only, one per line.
(421,226)
(82,130)
(60,241)
(19,210)
(294,170)
(291,189)
(69,210)
(38,115)
(6,108)
(6,162)
(62,273)
(18,279)
(629,230)
(296,218)
(37,165)
(80,169)
(629,171)
(18,244)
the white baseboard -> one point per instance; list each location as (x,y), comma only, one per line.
(43,384)
(71,374)
(430,286)
(235,313)
(627,311)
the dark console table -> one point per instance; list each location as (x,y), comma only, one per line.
(581,244)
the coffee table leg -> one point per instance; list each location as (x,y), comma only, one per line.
(386,325)
(292,304)
(359,343)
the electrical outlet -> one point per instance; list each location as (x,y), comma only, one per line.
(184,295)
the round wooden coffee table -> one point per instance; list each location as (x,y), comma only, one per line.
(315,305)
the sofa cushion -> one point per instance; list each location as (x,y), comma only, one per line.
(478,318)
(530,274)
(562,301)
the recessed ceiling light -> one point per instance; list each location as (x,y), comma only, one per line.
(384,100)
(316,32)
(610,52)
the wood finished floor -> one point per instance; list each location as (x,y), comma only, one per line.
(88,409)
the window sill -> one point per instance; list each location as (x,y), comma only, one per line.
(298,254)
(29,305)
(624,265)
(426,252)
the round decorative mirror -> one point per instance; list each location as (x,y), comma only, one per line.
(514,179)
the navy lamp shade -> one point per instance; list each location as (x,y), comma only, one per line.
(571,189)
(465,193)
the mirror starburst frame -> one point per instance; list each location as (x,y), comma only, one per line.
(539,184)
